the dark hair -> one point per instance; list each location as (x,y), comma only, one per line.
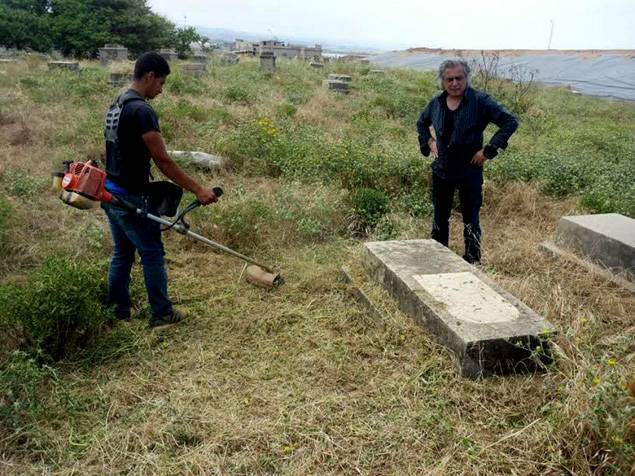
(151,63)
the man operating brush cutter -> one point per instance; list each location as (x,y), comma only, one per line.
(133,138)
(135,206)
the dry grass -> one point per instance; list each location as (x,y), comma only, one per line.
(300,380)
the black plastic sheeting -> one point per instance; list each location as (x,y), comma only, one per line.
(597,74)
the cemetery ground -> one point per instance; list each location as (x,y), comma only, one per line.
(301,379)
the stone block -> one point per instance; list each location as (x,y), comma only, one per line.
(315,64)
(267,62)
(491,331)
(340,77)
(338,86)
(229,58)
(112,52)
(377,72)
(119,80)
(194,69)
(607,240)
(64,65)
(203,59)
(204,160)
(168,55)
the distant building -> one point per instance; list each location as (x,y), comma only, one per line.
(279,48)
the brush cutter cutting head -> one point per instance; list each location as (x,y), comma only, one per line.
(258,276)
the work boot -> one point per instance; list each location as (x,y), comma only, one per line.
(171,318)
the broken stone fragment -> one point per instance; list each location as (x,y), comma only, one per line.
(202,159)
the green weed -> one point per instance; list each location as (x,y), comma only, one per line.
(58,310)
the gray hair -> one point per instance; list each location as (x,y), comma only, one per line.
(453,63)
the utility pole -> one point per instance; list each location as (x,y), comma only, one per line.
(550,35)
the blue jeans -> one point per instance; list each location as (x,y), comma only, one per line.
(131,232)
(470,186)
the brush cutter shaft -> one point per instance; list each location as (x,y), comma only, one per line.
(178,227)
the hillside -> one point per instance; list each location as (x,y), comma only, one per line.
(300,380)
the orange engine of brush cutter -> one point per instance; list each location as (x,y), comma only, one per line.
(88,180)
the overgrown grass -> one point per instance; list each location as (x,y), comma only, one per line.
(301,380)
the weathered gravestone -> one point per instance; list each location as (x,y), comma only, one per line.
(168,55)
(340,77)
(335,85)
(118,80)
(315,64)
(194,69)
(112,52)
(204,160)
(491,331)
(229,58)
(601,242)
(267,61)
(200,58)
(64,65)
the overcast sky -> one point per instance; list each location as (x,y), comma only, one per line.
(475,24)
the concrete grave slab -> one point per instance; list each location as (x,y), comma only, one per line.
(168,54)
(194,69)
(340,77)
(112,52)
(202,159)
(267,61)
(200,58)
(334,85)
(606,239)
(229,58)
(118,80)
(65,65)
(491,331)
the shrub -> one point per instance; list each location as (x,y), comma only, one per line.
(238,93)
(242,221)
(369,206)
(59,310)
(22,393)
(564,177)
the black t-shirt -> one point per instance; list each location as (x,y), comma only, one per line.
(137,118)
(448,122)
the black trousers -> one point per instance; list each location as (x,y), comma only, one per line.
(470,187)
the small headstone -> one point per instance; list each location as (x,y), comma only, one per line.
(112,52)
(195,69)
(118,80)
(607,240)
(340,77)
(267,61)
(65,65)
(229,58)
(377,71)
(168,55)
(202,159)
(315,64)
(491,331)
(336,85)
(200,58)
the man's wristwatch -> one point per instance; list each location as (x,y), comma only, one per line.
(490,151)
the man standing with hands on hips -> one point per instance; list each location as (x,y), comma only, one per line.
(459,115)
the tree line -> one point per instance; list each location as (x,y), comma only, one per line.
(79,27)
